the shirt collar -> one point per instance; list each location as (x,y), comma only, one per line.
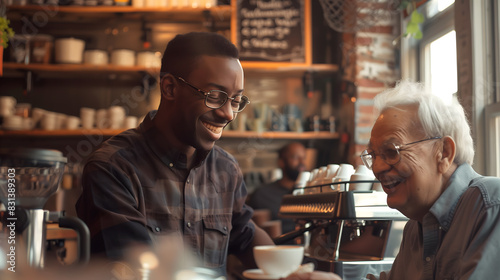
(166,153)
(445,206)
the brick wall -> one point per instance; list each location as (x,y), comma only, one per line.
(371,61)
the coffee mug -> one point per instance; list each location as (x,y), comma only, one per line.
(123,57)
(278,260)
(69,50)
(360,186)
(95,57)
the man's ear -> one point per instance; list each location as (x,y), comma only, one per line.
(167,85)
(447,154)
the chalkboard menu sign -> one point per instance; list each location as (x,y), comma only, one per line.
(271,30)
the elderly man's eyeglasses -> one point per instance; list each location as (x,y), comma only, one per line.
(390,153)
(215,99)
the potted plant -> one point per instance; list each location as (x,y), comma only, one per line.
(5,33)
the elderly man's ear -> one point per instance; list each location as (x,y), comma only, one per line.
(446,155)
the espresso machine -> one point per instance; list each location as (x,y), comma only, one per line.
(351,233)
(28,177)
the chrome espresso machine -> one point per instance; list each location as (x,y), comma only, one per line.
(351,233)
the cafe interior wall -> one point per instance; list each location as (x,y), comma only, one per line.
(371,61)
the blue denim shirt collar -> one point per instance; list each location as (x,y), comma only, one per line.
(445,206)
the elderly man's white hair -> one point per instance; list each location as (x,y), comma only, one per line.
(438,118)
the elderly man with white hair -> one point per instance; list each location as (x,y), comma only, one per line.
(421,150)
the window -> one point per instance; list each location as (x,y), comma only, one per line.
(492,113)
(433,59)
(426,60)
(441,61)
(437,49)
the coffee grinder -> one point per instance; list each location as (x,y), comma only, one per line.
(28,177)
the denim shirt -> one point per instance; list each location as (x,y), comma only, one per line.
(136,189)
(459,237)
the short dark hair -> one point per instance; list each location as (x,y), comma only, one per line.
(182,52)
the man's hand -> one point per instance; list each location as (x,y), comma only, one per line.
(315,275)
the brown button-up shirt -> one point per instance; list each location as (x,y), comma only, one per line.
(136,189)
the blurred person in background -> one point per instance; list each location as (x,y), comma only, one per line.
(421,150)
(291,161)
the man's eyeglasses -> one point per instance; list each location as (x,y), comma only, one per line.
(390,153)
(215,99)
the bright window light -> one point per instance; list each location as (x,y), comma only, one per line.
(443,65)
(497,141)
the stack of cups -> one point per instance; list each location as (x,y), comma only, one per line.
(331,173)
(343,175)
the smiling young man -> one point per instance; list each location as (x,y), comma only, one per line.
(167,176)
(421,150)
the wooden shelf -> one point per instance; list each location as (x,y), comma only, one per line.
(59,133)
(219,13)
(226,134)
(77,68)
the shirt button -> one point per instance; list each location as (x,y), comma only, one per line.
(225,228)
(428,259)
(171,164)
(189,224)
(188,180)
(158,229)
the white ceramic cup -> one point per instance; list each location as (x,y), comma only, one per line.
(8,101)
(95,57)
(102,119)
(146,59)
(7,111)
(60,121)
(123,57)
(72,122)
(87,116)
(69,50)
(345,171)
(13,122)
(366,186)
(301,181)
(130,122)
(278,260)
(362,169)
(37,115)
(49,121)
(27,123)
(116,115)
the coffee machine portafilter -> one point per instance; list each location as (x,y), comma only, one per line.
(28,177)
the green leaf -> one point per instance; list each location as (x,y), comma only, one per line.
(412,27)
(417,17)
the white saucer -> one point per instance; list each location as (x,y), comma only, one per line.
(259,274)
